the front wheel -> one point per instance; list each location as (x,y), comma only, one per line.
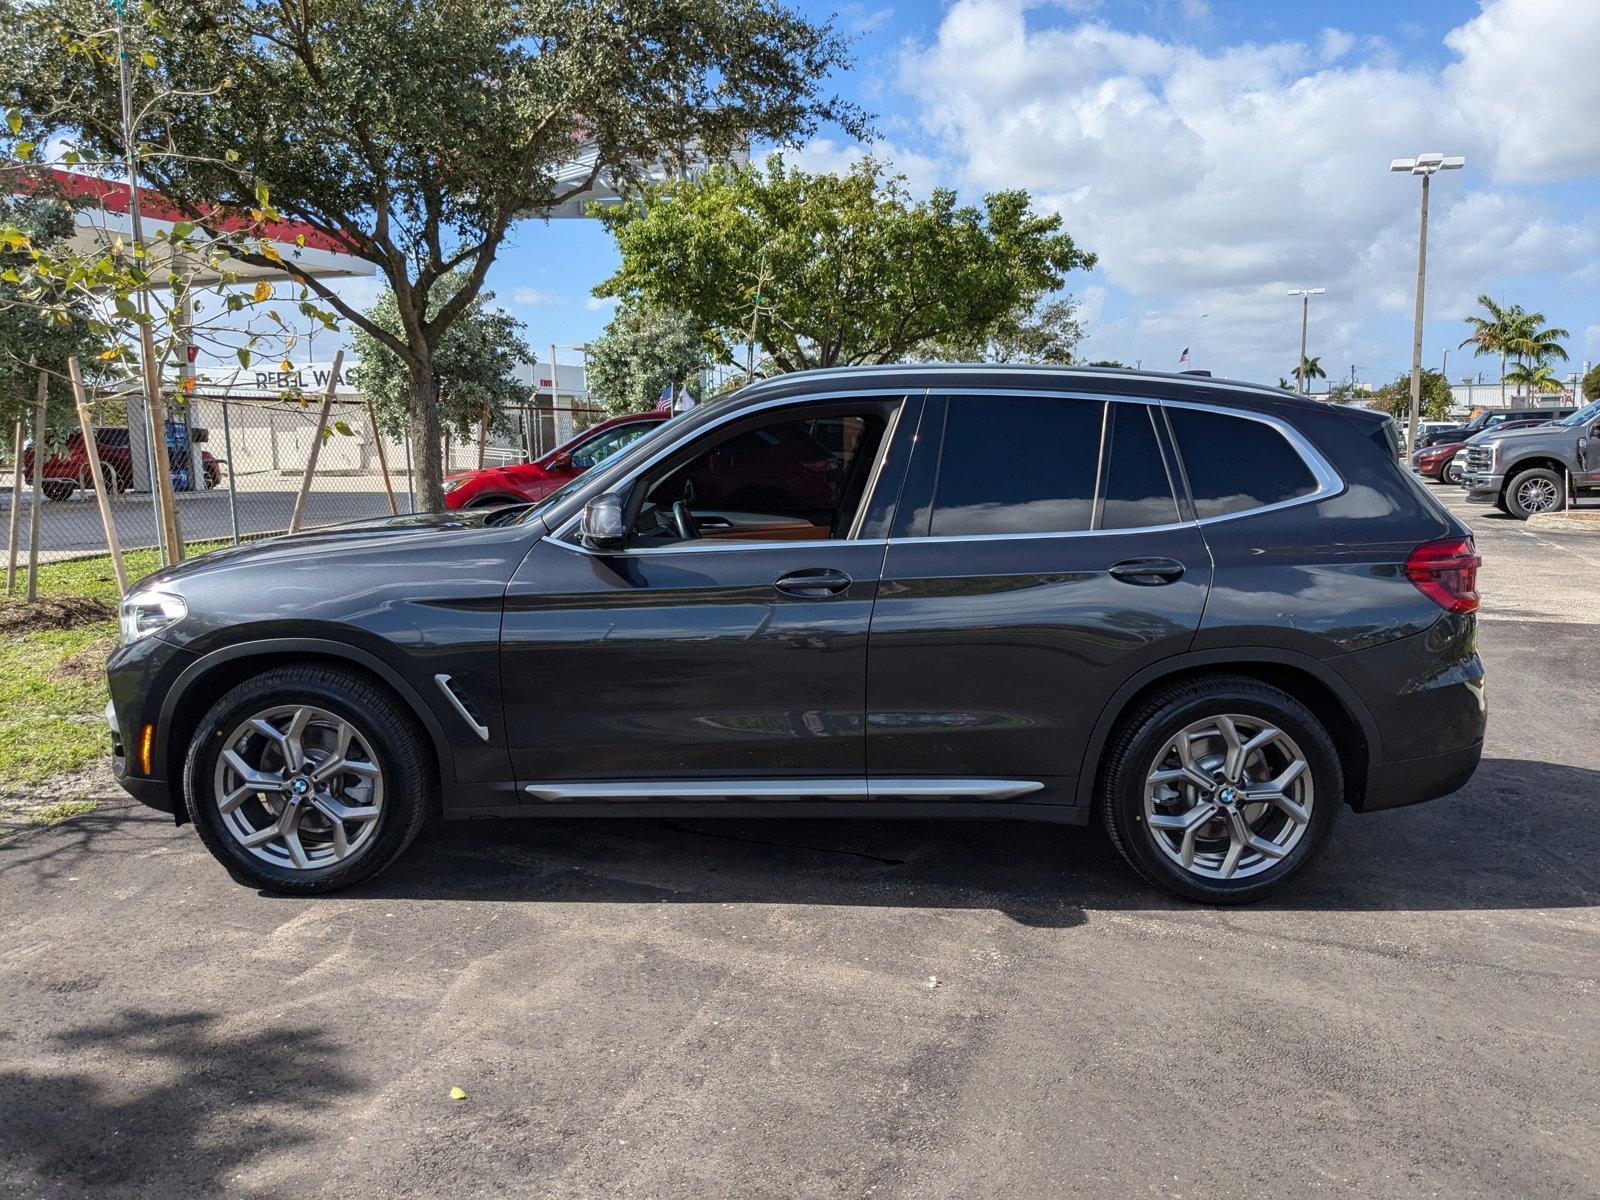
(307,779)
(1534,491)
(1220,789)
(1453,472)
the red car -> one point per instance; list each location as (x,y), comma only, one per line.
(522,483)
(1441,462)
(67,468)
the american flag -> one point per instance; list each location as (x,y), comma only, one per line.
(1184,357)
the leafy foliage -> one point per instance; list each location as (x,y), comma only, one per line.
(1037,330)
(1591,384)
(642,351)
(1395,398)
(825,270)
(415,135)
(475,365)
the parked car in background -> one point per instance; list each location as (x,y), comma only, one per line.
(66,468)
(1446,463)
(523,483)
(1489,419)
(1525,472)
(1207,615)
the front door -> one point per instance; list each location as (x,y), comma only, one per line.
(1039,560)
(727,641)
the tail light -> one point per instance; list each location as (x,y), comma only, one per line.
(1446,572)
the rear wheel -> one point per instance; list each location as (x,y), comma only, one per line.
(307,779)
(59,489)
(1220,789)
(1534,491)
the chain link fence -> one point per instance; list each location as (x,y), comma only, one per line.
(238,463)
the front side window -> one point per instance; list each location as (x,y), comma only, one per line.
(597,449)
(1234,463)
(1017,464)
(787,479)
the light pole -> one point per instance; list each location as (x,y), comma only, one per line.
(1305,295)
(1424,165)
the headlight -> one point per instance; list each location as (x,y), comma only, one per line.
(451,485)
(147,611)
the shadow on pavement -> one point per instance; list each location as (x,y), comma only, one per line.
(1521,835)
(73,1132)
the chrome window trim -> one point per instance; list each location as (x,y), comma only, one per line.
(559,534)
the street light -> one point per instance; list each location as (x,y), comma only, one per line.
(1305,295)
(1424,165)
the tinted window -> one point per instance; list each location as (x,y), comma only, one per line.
(1013,464)
(1137,490)
(601,447)
(1234,464)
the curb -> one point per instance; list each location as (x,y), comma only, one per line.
(1576,521)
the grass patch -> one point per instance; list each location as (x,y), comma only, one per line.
(61,810)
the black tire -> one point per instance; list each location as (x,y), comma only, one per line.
(1526,479)
(1452,472)
(58,489)
(1136,746)
(397,744)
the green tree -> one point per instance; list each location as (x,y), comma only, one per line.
(1038,330)
(418,134)
(1310,368)
(1591,384)
(1534,345)
(1532,379)
(831,270)
(641,352)
(475,363)
(1395,398)
(1492,332)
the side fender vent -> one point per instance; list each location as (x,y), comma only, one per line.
(462,704)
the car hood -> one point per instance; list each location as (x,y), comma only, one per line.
(386,531)
(1511,435)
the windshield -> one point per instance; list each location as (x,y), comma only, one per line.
(1585,414)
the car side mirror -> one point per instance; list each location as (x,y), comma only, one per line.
(601,526)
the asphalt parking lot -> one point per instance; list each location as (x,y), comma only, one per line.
(810,1008)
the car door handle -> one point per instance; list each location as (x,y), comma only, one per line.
(1147,572)
(813,583)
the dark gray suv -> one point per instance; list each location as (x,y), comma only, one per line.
(1208,614)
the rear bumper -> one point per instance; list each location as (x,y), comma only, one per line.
(1413,780)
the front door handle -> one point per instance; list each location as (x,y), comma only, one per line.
(1147,572)
(813,583)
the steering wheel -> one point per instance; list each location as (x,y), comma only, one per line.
(688,528)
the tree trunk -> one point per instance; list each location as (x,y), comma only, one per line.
(426,439)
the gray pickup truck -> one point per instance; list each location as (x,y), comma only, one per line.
(1526,471)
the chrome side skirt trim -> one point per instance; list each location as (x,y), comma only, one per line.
(477,726)
(786,789)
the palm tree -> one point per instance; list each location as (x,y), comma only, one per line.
(1535,377)
(1310,368)
(1491,334)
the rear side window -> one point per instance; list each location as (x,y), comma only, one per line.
(1138,491)
(1017,464)
(1234,464)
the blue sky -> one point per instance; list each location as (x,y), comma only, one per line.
(1215,154)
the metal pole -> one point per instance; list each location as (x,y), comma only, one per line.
(411,484)
(1305,318)
(15,521)
(233,486)
(1416,336)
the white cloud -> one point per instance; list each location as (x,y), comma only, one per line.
(600,303)
(531,297)
(1210,182)
(821,155)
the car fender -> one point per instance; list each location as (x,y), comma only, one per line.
(1222,658)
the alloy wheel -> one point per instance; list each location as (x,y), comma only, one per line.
(1228,797)
(1537,495)
(298,787)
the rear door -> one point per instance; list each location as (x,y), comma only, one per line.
(1039,558)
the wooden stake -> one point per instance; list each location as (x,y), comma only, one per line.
(16,512)
(483,435)
(383,459)
(316,444)
(42,398)
(156,416)
(102,501)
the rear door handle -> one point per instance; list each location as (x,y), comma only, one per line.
(813,583)
(1147,572)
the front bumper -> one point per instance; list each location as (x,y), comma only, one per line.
(1481,488)
(140,676)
